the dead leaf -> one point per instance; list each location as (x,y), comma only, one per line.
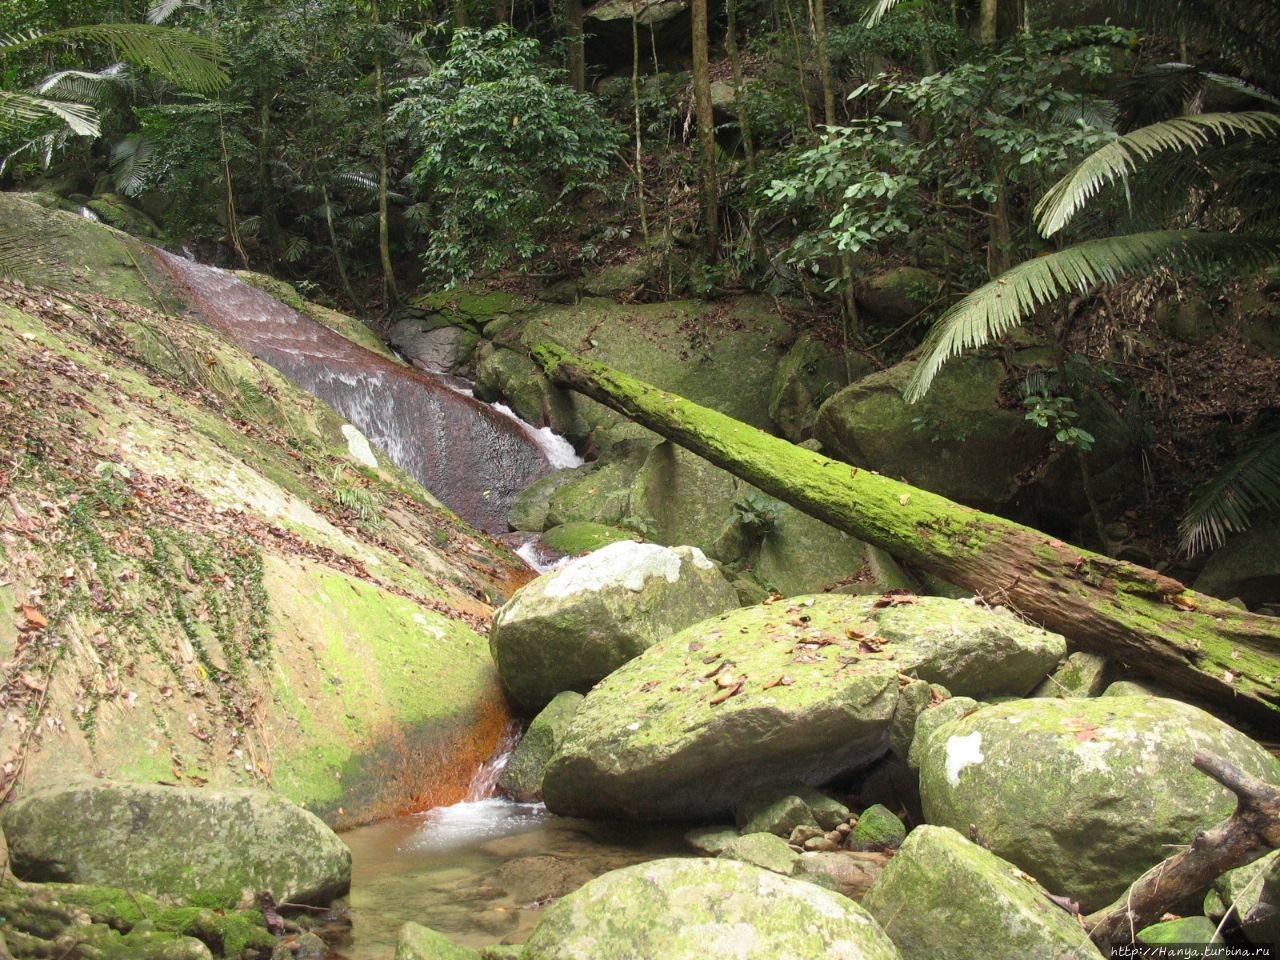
(35,619)
(904,499)
(731,692)
(894,598)
(782,681)
(1183,602)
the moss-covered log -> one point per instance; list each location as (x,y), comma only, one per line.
(1152,622)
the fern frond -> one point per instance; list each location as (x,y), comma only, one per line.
(18,109)
(1222,507)
(1118,159)
(188,60)
(993,309)
(878,11)
(32,258)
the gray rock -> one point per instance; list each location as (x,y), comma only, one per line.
(573,626)
(944,898)
(711,840)
(1082,675)
(762,850)
(417,942)
(522,778)
(1050,785)
(215,848)
(691,909)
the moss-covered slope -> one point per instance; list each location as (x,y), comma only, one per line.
(210,583)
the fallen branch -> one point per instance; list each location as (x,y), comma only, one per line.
(1150,621)
(1251,832)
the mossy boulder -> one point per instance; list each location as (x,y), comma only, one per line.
(1185,933)
(878,829)
(684,498)
(801,691)
(417,942)
(809,374)
(931,718)
(691,909)
(898,294)
(522,778)
(603,493)
(512,377)
(960,441)
(943,897)
(573,626)
(1083,674)
(1084,795)
(763,850)
(774,811)
(800,555)
(722,356)
(572,539)
(529,511)
(1254,890)
(712,840)
(115,211)
(436,347)
(214,848)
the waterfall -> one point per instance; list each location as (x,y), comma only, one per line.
(474,458)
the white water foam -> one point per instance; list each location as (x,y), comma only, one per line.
(558,451)
(531,554)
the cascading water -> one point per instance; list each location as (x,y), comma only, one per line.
(476,459)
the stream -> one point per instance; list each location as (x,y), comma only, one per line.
(479,871)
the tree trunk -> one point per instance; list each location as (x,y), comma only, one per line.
(818,26)
(706,128)
(1138,616)
(988,21)
(576,52)
(635,111)
(390,293)
(744,123)
(501,11)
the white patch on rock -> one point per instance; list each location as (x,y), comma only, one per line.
(696,557)
(625,564)
(358,447)
(962,752)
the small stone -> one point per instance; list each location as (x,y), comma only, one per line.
(849,873)
(822,844)
(806,831)
(711,840)
(1081,675)
(844,829)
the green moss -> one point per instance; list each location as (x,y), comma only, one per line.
(576,538)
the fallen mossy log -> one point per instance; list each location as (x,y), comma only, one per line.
(1251,832)
(1195,643)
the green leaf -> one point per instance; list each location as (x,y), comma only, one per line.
(1249,482)
(993,309)
(1121,157)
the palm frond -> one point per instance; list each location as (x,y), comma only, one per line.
(188,60)
(1118,159)
(878,11)
(993,309)
(162,10)
(19,109)
(130,162)
(1248,483)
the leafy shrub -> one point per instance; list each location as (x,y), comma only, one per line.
(501,141)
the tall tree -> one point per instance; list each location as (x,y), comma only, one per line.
(988,21)
(706,129)
(390,292)
(577,53)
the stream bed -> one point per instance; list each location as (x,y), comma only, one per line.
(481,871)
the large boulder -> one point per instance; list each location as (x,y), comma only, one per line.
(1084,795)
(215,848)
(899,294)
(1245,568)
(522,778)
(693,909)
(573,626)
(800,554)
(810,373)
(661,25)
(960,441)
(943,897)
(797,691)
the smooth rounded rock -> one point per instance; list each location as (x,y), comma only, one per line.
(694,909)
(1084,795)
(796,692)
(944,898)
(216,848)
(522,778)
(573,626)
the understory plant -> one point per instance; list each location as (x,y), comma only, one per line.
(500,142)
